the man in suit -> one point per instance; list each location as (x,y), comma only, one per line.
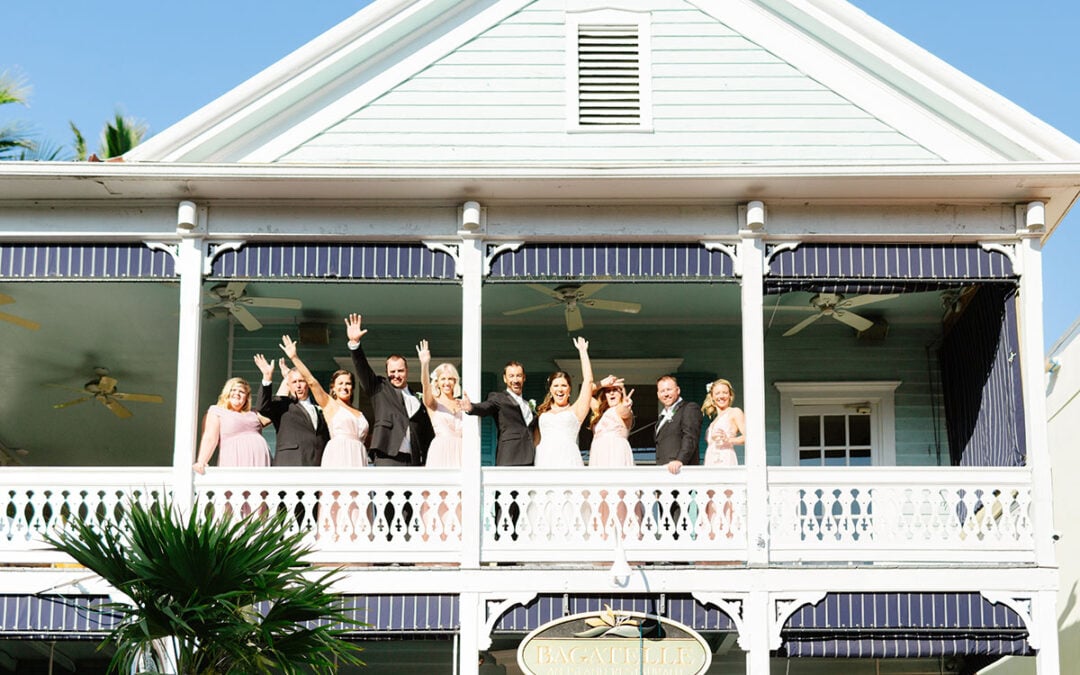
(401,431)
(514,418)
(301,429)
(678,429)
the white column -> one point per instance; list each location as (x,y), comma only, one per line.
(189,266)
(1044,614)
(1032,370)
(752,260)
(471,611)
(756,632)
(471,265)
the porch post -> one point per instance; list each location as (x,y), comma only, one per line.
(1044,615)
(757,628)
(189,265)
(1033,375)
(752,262)
(471,611)
(471,267)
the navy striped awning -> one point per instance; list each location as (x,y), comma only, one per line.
(904,625)
(55,616)
(405,613)
(626,262)
(84,261)
(884,267)
(381,262)
(548,607)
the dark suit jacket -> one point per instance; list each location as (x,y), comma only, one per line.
(298,442)
(515,445)
(391,417)
(678,439)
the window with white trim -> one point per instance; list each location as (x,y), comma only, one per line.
(838,423)
(609,71)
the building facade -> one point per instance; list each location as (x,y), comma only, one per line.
(789,195)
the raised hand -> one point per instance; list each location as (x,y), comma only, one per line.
(423,352)
(265,367)
(284,367)
(581,343)
(628,399)
(353,329)
(288,346)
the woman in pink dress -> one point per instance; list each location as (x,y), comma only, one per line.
(440,396)
(231,424)
(727,430)
(611,423)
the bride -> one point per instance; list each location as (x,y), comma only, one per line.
(560,420)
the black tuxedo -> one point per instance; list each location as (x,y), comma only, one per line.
(391,417)
(678,438)
(299,442)
(515,446)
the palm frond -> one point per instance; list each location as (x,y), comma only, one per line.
(121,135)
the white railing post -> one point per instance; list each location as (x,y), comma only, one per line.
(1032,371)
(752,262)
(471,268)
(190,254)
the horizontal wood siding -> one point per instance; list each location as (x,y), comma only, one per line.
(829,353)
(717,97)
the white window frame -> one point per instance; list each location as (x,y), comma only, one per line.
(613,17)
(878,395)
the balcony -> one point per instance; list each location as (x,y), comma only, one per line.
(902,516)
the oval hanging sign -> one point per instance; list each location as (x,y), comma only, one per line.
(612,642)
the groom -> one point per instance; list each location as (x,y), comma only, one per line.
(514,417)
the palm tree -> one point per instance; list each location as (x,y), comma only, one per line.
(229,594)
(121,135)
(13,136)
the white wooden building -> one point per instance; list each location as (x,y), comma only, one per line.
(735,168)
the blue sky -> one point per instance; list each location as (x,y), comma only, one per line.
(160,61)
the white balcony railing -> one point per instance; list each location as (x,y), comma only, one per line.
(862,515)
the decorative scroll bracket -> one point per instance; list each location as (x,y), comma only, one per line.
(494,250)
(215,249)
(450,248)
(494,607)
(1021,604)
(732,251)
(1007,250)
(784,607)
(773,250)
(732,606)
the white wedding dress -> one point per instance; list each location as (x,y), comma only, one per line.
(558,448)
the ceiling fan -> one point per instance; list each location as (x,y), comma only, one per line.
(103,388)
(574,297)
(835,306)
(11,318)
(232,300)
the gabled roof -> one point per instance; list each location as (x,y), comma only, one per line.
(943,115)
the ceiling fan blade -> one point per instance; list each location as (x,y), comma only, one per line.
(6,299)
(279,303)
(802,324)
(793,308)
(585,290)
(19,321)
(70,403)
(859,300)
(612,305)
(114,405)
(142,398)
(573,319)
(852,319)
(551,293)
(106,384)
(245,317)
(235,288)
(522,310)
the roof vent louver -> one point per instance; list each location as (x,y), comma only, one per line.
(609,75)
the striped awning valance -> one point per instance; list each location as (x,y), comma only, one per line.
(45,616)
(904,625)
(381,262)
(84,261)
(405,613)
(682,608)
(623,262)
(863,268)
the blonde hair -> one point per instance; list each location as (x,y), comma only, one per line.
(450,370)
(709,406)
(223,397)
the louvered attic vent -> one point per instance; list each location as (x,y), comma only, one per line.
(609,75)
